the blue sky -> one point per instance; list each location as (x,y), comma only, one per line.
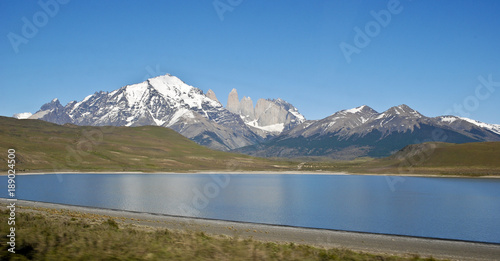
(430,55)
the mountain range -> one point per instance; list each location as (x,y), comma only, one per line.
(271,128)
(169,102)
(362,131)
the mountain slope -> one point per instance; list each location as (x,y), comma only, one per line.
(364,132)
(429,158)
(475,158)
(43,146)
(161,101)
(439,154)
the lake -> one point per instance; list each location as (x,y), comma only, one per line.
(451,208)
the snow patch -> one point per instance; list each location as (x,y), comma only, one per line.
(111,94)
(381,116)
(182,112)
(134,93)
(172,88)
(86,98)
(158,122)
(279,127)
(296,113)
(354,110)
(491,127)
(448,119)
(22,115)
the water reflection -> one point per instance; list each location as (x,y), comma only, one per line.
(465,209)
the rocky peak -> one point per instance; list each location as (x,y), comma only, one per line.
(361,110)
(402,110)
(246,109)
(54,104)
(53,112)
(233,102)
(269,113)
(211,94)
(268,117)
(277,113)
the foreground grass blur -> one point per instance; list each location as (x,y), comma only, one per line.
(65,235)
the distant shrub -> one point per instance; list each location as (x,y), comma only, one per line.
(112,223)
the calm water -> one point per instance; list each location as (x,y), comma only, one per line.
(454,208)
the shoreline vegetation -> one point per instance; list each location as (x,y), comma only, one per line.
(43,147)
(49,233)
(262,173)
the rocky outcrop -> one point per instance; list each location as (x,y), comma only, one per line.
(268,118)
(53,112)
(269,112)
(233,102)
(211,94)
(246,110)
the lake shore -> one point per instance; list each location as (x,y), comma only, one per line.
(298,172)
(366,242)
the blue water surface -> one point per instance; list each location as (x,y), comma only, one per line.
(451,208)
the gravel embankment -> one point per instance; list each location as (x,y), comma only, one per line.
(376,243)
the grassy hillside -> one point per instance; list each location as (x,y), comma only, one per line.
(43,146)
(470,159)
(476,158)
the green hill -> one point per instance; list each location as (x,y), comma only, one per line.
(468,159)
(475,158)
(42,146)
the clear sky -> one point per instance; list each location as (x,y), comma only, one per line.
(428,54)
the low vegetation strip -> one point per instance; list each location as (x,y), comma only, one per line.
(55,234)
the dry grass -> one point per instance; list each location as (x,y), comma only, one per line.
(48,234)
(45,147)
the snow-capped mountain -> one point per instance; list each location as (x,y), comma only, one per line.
(458,122)
(273,127)
(363,131)
(163,101)
(340,122)
(268,118)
